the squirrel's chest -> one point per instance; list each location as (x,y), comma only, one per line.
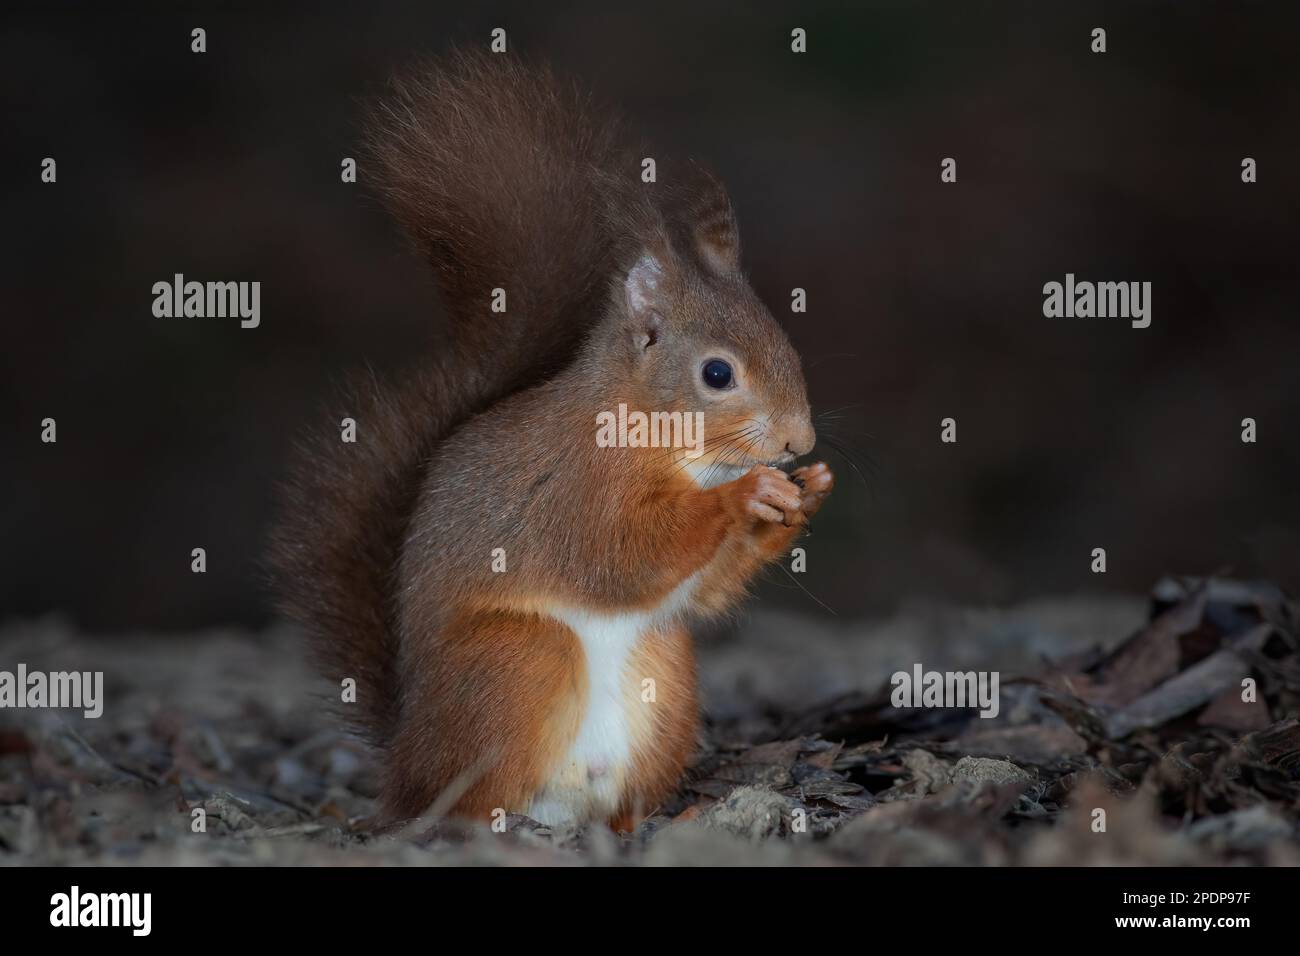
(592,777)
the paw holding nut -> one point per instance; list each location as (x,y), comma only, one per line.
(770,495)
(816,482)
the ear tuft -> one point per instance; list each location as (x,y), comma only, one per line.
(718,242)
(713,225)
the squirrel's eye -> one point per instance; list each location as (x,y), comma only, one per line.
(717,373)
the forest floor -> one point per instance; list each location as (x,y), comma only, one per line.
(1122,736)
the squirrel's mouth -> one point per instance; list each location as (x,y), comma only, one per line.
(784,461)
(709,472)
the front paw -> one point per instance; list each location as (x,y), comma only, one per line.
(815,482)
(766,495)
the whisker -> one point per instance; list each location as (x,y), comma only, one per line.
(750,434)
(713,442)
(721,442)
(833,411)
(805,590)
(849,458)
(725,459)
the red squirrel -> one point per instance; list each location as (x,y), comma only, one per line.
(510,595)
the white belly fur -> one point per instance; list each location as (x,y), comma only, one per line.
(708,475)
(588,782)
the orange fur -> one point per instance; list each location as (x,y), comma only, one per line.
(493,701)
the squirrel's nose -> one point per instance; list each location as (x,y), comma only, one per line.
(802,441)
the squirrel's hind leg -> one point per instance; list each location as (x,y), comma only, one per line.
(500,698)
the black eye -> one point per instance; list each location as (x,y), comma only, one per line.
(717,373)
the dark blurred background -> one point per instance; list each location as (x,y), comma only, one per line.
(925,299)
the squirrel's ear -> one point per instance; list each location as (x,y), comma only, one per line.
(644,291)
(718,242)
(713,225)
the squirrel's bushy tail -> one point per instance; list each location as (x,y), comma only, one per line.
(505,180)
